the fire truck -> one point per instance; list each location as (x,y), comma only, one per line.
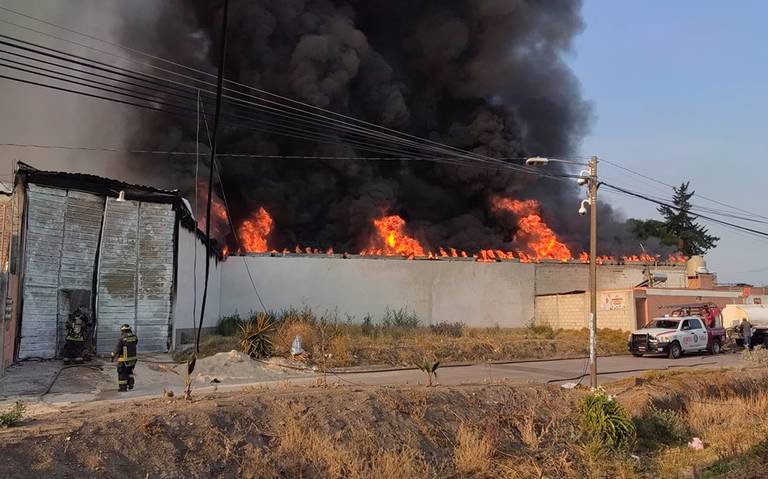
(688,328)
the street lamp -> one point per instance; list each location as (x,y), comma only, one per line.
(590,181)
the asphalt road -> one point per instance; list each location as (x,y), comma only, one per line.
(551,371)
(559,371)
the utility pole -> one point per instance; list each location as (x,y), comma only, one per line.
(586,178)
(593,184)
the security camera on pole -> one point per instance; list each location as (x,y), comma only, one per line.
(588,179)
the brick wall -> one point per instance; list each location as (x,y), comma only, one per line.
(615,310)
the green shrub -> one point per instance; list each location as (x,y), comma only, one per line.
(229,325)
(661,427)
(400,318)
(445,328)
(605,423)
(367,327)
(13,416)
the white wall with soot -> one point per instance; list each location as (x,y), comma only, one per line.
(187,299)
(476,294)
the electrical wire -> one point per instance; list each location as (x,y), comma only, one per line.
(332,116)
(656,180)
(668,205)
(181,110)
(208,249)
(216,167)
(474,156)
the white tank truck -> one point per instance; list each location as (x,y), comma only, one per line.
(756,314)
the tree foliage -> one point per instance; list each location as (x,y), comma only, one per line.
(679,228)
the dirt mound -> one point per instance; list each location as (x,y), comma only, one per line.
(493,430)
(234,365)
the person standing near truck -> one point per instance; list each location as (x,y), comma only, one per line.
(746,333)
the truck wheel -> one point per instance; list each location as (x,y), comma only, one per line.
(716,349)
(675,351)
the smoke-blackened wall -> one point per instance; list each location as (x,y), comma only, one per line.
(486,76)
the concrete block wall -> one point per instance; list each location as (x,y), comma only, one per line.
(571,311)
(484,295)
(557,278)
(562,311)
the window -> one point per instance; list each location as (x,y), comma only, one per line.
(695,323)
(663,323)
(686,326)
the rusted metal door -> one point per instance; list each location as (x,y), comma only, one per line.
(62,235)
(155,276)
(135,276)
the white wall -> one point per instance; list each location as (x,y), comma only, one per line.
(477,294)
(186,313)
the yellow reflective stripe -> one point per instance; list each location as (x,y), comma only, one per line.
(122,381)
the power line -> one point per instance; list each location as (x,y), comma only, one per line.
(270,94)
(656,180)
(668,205)
(219,89)
(156,100)
(183,111)
(218,155)
(317,138)
(216,167)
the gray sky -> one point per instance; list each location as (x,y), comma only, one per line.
(61,119)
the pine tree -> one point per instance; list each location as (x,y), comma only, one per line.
(680,226)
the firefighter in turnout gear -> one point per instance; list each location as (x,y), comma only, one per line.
(125,352)
(75,340)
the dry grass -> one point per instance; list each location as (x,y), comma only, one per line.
(407,432)
(473,452)
(398,339)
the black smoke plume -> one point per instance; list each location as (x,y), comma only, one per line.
(486,76)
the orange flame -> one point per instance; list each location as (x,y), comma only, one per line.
(391,239)
(219,216)
(253,232)
(540,241)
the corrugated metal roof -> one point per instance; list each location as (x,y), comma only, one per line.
(89,181)
(111,188)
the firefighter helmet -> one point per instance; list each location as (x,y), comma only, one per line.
(125,327)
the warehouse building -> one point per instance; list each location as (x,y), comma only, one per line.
(113,248)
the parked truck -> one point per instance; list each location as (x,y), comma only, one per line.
(756,314)
(688,328)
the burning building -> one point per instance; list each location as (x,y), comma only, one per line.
(135,254)
(486,78)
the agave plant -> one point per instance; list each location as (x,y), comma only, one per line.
(430,368)
(256,336)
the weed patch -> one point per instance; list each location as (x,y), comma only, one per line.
(13,416)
